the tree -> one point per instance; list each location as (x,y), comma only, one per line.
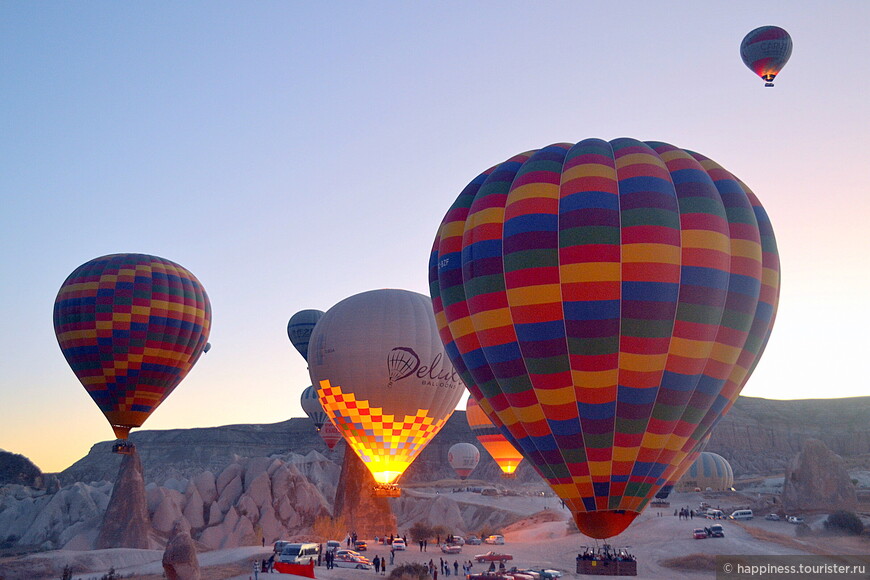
(328,528)
(844,522)
(421,531)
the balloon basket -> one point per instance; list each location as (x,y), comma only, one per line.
(606,561)
(768,84)
(659,503)
(386,490)
(123,447)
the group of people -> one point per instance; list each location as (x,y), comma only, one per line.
(446,569)
(685,513)
(380,564)
(605,553)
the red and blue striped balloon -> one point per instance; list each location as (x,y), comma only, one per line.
(605,302)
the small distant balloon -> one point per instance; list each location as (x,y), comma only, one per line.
(765,51)
(299,329)
(463,458)
(312,407)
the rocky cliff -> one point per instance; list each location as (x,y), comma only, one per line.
(762,436)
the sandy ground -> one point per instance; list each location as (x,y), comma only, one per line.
(540,541)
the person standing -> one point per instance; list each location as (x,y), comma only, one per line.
(384,566)
(377,564)
(392,556)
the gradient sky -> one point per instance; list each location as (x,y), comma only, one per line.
(291,154)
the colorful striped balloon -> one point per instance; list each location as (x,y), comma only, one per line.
(765,51)
(605,302)
(131,326)
(501,450)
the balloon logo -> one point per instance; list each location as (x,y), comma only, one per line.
(131,326)
(505,455)
(463,458)
(765,51)
(386,403)
(330,435)
(607,301)
(299,329)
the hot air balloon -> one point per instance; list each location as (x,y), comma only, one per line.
(504,454)
(709,471)
(606,301)
(131,326)
(312,407)
(765,51)
(330,435)
(299,329)
(383,378)
(463,458)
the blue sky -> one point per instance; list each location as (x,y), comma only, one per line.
(292,154)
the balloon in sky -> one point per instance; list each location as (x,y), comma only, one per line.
(501,450)
(765,51)
(330,435)
(312,407)
(131,326)
(605,302)
(463,458)
(299,329)
(383,378)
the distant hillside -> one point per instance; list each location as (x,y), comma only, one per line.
(758,437)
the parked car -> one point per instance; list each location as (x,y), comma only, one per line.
(298,553)
(699,534)
(795,520)
(495,539)
(472,541)
(458,540)
(399,544)
(717,531)
(351,561)
(715,515)
(772,517)
(741,515)
(493,557)
(279,545)
(360,546)
(333,545)
(343,553)
(451,548)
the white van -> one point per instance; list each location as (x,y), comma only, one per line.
(741,515)
(299,554)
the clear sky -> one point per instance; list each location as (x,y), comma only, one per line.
(291,154)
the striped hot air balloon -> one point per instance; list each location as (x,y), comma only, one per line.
(501,450)
(708,471)
(607,300)
(131,326)
(299,329)
(463,458)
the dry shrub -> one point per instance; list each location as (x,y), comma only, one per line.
(703,562)
(409,572)
(329,528)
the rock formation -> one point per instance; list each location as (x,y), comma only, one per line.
(363,513)
(817,480)
(179,558)
(126,523)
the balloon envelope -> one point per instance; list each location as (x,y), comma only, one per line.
(299,329)
(607,301)
(709,470)
(312,407)
(765,51)
(131,326)
(383,378)
(463,458)
(501,450)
